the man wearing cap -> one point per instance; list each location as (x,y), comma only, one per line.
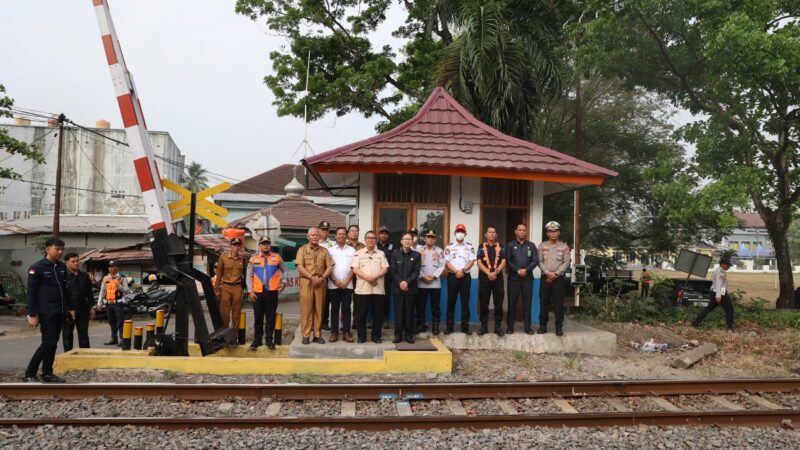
(49,301)
(415,245)
(230,281)
(112,288)
(266,277)
(719,295)
(324,241)
(459,256)
(491,262)
(554,261)
(521,258)
(430,283)
(387,248)
(340,285)
(369,266)
(314,264)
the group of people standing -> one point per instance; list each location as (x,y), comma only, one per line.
(376,275)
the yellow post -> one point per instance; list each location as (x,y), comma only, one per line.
(278,329)
(127,329)
(242,327)
(150,339)
(160,321)
(137,338)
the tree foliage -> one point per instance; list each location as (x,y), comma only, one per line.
(9,144)
(734,64)
(195,178)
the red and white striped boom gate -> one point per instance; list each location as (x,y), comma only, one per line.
(169,250)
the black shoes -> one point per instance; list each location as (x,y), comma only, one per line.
(410,340)
(255,345)
(52,378)
(306,341)
(271,345)
(318,340)
(361,341)
(529,331)
(326,327)
(559,331)
(465,330)
(499,331)
(542,330)
(483,329)
(112,342)
(448,330)
(31,379)
(377,340)
(397,340)
(509,330)
(435,328)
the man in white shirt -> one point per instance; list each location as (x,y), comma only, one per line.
(460,257)
(340,285)
(430,283)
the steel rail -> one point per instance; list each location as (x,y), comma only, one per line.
(753,418)
(412,391)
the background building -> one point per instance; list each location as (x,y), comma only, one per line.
(98,174)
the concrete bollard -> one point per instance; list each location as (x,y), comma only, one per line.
(160,321)
(278,329)
(127,330)
(137,338)
(150,339)
(242,327)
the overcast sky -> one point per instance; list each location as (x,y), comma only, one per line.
(198,66)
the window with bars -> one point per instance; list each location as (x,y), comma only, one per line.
(412,188)
(502,192)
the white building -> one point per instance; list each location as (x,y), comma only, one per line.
(98,174)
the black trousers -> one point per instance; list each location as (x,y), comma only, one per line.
(552,295)
(264,308)
(326,310)
(364,305)
(115,312)
(515,287)
(434,294)
(493,289)
(404,315)
(340,298)
(81,322)
(50,327)
(727,305)
(458,287)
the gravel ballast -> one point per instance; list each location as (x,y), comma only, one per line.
(540,438)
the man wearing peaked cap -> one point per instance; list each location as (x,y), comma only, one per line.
(459,256)
(324,238)
(230,281)
(554,260)
(430,283)
(112,288)
(266,278)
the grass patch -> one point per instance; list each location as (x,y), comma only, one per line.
(304,378)
(572,361)
(519,355)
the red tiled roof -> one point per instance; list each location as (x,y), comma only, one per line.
(296,213)
(750,220)
(444,138)
(274,180)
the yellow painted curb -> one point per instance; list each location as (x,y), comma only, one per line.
(242,361)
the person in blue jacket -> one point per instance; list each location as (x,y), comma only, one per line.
(48,302)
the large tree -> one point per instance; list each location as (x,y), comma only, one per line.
(9,144)
(196,177)
(735,65)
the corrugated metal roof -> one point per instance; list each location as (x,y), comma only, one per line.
(445,136)
(81,224)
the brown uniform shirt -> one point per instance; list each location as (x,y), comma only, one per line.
(230,270)
(316,261)
(356,245)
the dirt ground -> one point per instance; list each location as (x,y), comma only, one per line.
(764,285)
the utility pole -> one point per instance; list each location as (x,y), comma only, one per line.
(57,213)
(577,200)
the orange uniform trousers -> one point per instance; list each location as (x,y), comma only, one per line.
(311,302)
(230,304)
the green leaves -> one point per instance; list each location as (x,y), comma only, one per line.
(14,146)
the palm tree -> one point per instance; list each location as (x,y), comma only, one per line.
(502,64)
(195,178)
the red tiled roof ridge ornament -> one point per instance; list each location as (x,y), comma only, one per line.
(445,138)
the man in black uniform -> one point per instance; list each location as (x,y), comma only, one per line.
(522,258)
(48,302)
(80,290)
(404,266)
(491,262)
(387,248)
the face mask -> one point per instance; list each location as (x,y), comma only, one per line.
(460,236)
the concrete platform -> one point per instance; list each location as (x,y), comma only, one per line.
(339,349)
(578,338)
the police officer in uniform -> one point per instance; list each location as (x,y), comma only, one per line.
(491,262)
(460,257)
(554,261)
(112,289)
(49,301)
(522,258)
(430,283)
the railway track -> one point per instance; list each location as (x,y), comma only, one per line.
(737,402)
